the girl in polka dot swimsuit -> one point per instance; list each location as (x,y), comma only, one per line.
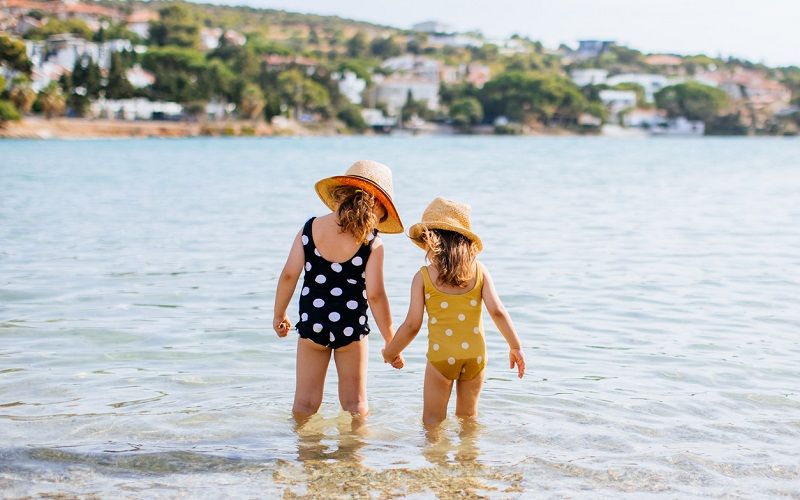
(452,289)
(342,257)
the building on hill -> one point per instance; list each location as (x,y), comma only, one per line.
(651,83)
(350,86)
(277,62)
(139,21)
(418,66)
(618,101)
(432,27)
(393,91)
(592,76)
(588,49)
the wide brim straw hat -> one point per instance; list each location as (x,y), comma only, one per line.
(448,215)
(372,177)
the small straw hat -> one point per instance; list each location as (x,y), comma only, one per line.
(448,215)
(373,177)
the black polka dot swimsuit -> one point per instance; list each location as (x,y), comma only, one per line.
(333,302)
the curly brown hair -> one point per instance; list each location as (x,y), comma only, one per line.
(453,254)
(355,211)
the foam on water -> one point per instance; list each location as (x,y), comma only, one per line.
(654,283)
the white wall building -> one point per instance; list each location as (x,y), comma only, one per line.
(393,92)
(584,77)
(618,100)
(351,86)
(418,66)
(135,109)
(432,27)
(650,83)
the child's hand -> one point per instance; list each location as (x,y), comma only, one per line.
(516,357)
(282,325)
(396,362)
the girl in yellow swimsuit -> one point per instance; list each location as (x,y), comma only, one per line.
(452,289)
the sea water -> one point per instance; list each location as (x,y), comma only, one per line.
(655,285)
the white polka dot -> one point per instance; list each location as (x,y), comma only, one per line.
(364,293)
(473,302)
(336,291)
(333,339)
(445,305)
(304,316)
(480,359)
(476,330)
(352,281)
(336,267)
(362,320)
(305,291)
(352,304)
(334,316)
(448,332)
(435,347)
(461,317)
(451,361)
(305,239)
(464,370)
(434,320)
(308,266)
(317,327)
(364,274)
(320,279)
(357,261)
(348,331)
(427,296)
(464,345)
(319,302)
(316,252)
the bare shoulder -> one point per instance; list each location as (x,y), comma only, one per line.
(377,242)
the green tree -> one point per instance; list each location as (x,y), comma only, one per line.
(251,103)
(176,26)
(177,72)
(13,55)
(8,113)
(22,95)
(384,48)
(466,112)
(117,85)
(52,101)
(357,45)
(692,100)
(301,93)
(350,115)
(57,27)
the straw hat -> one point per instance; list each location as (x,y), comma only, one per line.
(448,215)
(373,177)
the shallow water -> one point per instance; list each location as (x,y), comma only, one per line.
(655,285)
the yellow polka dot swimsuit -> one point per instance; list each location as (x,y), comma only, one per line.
(456,345)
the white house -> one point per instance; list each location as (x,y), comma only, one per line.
(393,92)
(135,109)
(418,66)
(592,76)
(432,27)
(650,82)
(350,86)
(139,21)
(139,77)
(618,100)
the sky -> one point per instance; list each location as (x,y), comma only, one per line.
(760,30)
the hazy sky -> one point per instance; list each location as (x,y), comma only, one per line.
(760,30)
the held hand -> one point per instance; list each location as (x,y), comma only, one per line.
(396,362)
(516,357)
(282,325)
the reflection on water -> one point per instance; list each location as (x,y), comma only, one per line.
(654,284)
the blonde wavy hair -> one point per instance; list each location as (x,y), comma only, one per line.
(355,211)
(453,254)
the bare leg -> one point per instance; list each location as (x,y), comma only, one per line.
(351,365)
(436,395)
(467,394)
(312,365)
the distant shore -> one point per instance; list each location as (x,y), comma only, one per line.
(81,128)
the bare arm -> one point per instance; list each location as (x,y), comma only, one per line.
(503,322)
(410,327)
(286,285)
(376,291)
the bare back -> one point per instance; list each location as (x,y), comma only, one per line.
(334,245)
